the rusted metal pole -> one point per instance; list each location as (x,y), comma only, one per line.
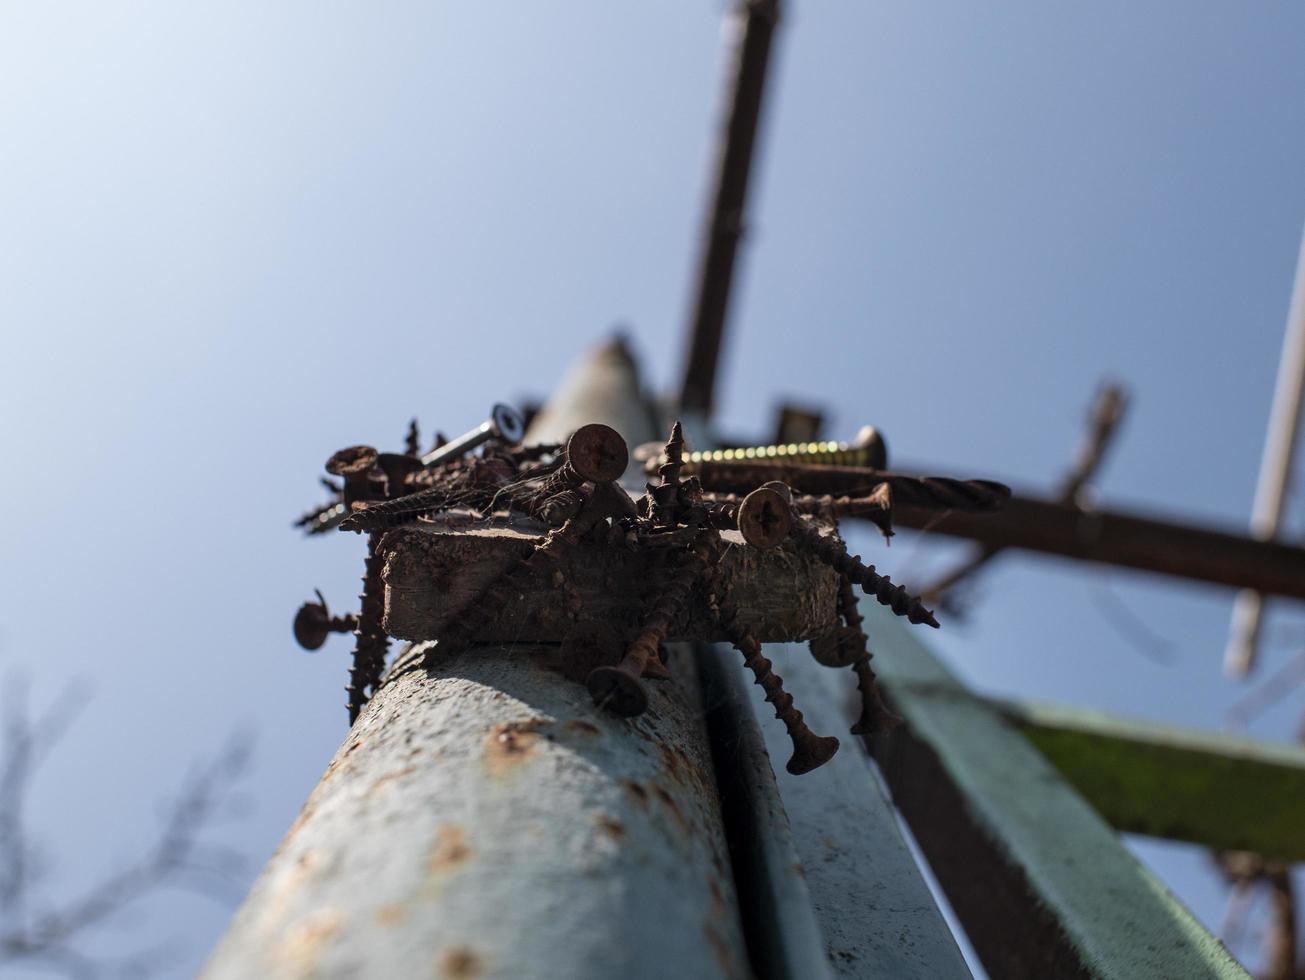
(1193,552)
(752,26)
(1275,473)
(485,819)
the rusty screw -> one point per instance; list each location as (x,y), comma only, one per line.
(597,453)
(355,465)
(314,623)
(504,423)
(619,688)
(810,751)
(832,551)
(765,517)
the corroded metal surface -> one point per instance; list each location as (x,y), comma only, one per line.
(491,822)
(431,573)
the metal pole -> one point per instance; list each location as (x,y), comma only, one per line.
(1275,473)
(753,26)
(1187,551)
(484,818)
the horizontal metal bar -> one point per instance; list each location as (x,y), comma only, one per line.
(1042,885)
(1191,551)
(1203,787)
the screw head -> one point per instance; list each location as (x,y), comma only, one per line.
(509,423)
(597,452)
(840,648)
(811,751)
(311,625)
(352,461)
(765,518)
(617,691)
(870,438)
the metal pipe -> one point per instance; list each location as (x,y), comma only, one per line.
(484,818)
(1275,473)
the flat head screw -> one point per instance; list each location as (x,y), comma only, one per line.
(765,518)
(354,464)
(596,452)
(314,623)
(619,689)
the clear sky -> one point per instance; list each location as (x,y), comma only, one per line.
(237,236)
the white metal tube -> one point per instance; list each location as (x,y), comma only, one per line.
(1275,473)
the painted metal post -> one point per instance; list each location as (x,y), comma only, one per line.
(1275,473)
(484,819)
(1042,885)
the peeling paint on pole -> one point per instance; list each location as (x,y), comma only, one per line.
(491,822)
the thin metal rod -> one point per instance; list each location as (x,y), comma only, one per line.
(1275,473)
(753,25)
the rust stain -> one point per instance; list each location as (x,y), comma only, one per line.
(303,942)
(512,743)
(637,791)
(390,777)
(389,915)
(719,947)
(286,885)
(610,826)
(461,963)
(449,849)
(671,805)
(584,727)
(717,896)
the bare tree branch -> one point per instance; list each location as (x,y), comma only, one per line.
(179,857)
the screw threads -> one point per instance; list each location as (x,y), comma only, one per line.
(810,751)
(619,688)
(833,553)
(802,453)
(384,514)
(370,640)
(663,498)
(668,604)
(412,440)
(875,715)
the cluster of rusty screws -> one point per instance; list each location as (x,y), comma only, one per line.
(368,482)
(772,499)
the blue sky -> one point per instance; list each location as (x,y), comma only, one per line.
(235,237)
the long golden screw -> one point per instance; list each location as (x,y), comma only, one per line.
(868,450)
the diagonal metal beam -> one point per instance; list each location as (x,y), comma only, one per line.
(1041,883)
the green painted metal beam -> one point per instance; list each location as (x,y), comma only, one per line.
(1040,881)
(1203,787)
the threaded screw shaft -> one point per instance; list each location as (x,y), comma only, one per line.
(810,751)
(833,552)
